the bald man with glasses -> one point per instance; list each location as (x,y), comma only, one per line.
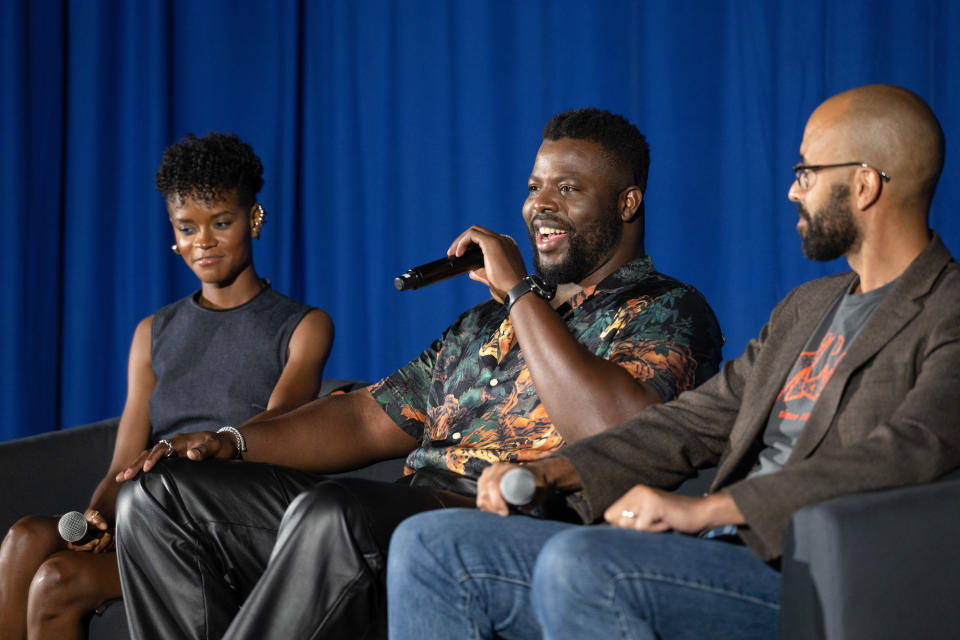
(851,386)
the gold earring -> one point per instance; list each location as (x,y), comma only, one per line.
(259,215)
(175,249)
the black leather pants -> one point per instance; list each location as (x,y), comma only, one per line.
(245,550)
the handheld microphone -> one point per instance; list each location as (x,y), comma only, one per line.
(439,270)
(72,526)
(518,487)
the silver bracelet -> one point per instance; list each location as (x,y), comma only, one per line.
(239,442)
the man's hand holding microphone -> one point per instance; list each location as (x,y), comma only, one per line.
(505,484)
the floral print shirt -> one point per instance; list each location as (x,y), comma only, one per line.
(469,398)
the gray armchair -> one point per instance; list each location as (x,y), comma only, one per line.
(877,565)
(56,472)
(884,564)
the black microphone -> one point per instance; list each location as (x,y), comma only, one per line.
(439,270)
(518,487)
(72,526)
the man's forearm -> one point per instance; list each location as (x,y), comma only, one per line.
(330,434)
(556,473)
(583,393)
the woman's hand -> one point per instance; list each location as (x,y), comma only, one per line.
(199,445)
(102,538)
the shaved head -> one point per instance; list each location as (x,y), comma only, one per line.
(890,128)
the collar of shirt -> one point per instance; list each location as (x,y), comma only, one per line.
(629,273)
(632,272)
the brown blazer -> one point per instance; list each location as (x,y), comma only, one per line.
(890,415)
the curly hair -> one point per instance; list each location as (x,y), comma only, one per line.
(621,139)
(208,168)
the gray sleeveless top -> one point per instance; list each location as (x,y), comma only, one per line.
(217,367)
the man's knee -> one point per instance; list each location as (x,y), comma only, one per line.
(330,504)
(346,515)
(560,559)
(408,551)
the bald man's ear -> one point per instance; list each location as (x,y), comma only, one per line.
(867,187)
(629,203)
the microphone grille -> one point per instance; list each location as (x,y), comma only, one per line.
(518,486)
(72,526)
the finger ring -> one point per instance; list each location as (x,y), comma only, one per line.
(626,513)
(170,450)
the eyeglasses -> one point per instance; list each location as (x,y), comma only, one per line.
(807,173)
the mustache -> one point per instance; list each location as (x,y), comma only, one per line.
(553,221)
(803,213)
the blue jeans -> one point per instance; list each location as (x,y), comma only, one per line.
(462,573)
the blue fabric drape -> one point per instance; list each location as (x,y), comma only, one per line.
(385,129)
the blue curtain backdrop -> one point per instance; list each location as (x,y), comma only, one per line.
(385,129)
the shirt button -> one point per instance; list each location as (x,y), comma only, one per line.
(455,435)
(494,382)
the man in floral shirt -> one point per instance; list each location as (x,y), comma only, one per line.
(470,400)
(594,336)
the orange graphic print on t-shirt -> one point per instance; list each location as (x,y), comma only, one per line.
(816,369)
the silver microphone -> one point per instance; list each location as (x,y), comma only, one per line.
(72,526)
(518,487)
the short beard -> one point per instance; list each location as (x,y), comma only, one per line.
(588,250)
(833,231)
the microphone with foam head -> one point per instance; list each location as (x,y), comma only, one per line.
(439,270)
(518,487)
(72,526)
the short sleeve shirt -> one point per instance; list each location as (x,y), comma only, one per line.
(470,401)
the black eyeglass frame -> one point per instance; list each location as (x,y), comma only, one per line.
(800,169)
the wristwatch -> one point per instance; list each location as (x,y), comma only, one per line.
(526,285)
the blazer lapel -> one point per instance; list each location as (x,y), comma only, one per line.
(891,315)
(773,365)
(886,321)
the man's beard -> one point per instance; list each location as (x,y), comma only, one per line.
(587,249)
(833,230)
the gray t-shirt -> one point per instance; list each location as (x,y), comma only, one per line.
(825,348)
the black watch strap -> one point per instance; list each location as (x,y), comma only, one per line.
(527,284)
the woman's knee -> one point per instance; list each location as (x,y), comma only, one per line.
(32,533)
(58,586)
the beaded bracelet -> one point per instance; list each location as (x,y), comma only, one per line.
(239,443)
